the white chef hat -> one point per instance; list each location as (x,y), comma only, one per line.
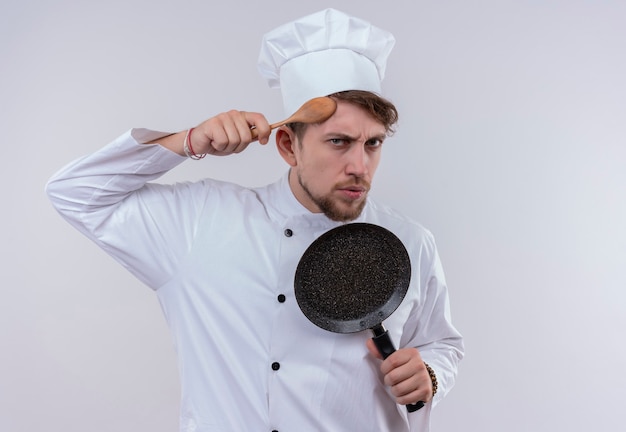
(324,53)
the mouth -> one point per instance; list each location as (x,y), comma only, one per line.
(353,192)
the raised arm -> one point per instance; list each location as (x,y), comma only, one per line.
(108,196)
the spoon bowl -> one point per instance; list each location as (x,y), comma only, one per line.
(316,110)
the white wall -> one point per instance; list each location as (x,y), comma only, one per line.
(511,149)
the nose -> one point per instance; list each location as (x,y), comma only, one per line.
(357,161)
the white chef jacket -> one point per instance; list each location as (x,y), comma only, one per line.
(221,259)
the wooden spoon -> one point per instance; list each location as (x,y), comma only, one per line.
(316,110)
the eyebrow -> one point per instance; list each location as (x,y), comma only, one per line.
(344,136)
(380,137)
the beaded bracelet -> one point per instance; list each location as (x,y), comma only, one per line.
(188,149)
(433,378)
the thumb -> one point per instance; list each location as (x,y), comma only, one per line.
(371,346)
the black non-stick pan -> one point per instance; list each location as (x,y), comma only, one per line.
(351,279)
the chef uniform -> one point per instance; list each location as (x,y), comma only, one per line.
(221,259)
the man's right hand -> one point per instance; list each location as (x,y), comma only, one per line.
(222,135)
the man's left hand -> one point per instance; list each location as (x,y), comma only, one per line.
(405,373)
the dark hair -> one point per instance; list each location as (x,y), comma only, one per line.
(378,107)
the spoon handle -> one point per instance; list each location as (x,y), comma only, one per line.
(255,134)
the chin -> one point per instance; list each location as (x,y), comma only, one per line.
(344,215)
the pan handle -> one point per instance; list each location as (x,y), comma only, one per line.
(385,347)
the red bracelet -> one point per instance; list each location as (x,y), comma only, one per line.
(188,149)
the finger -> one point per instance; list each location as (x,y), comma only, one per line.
(243,125)
(418,395)
(396,360)
(243,121)
(399,374)
(247,135)
(371,347)
(402,357)
(231,139)
(412,390)
(210,136)
(261,127)
(404,387)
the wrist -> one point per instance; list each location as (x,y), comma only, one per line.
(433,378)
(188,148)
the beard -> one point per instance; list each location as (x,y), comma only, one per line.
(331,208)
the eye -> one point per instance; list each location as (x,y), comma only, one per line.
(337,141)
(374,143)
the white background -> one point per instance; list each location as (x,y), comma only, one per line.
(511,149)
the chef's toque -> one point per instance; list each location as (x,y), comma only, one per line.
(324,53)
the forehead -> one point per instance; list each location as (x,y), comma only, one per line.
(352,120)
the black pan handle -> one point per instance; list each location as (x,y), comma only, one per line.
(385,347)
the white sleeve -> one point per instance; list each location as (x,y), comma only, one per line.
(430,328)
(107,197)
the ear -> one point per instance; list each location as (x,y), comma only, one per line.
(286,144)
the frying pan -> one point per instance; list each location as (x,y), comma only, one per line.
(351,279)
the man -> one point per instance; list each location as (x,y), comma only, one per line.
(222,257)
